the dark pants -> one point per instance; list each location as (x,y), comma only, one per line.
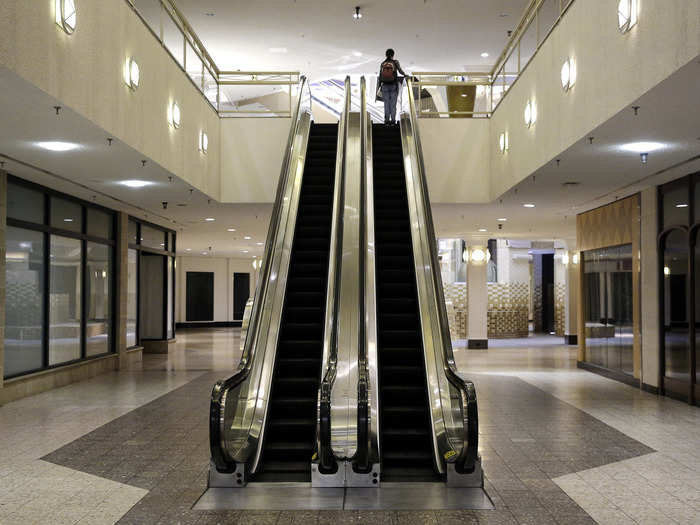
(390,92)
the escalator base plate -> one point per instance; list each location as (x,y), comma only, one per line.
(301,496)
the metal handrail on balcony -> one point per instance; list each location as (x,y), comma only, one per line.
(536,24)
(436,94)
(170,27)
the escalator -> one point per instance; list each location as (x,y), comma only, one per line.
(406,430)
(291,421)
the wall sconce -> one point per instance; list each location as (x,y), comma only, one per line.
(568,74)
(627,14)
(66,16)
(174,115)
(565,258)
(476,256)
(203,142)
(503,144)
(574,259)
(530,113)
(132,74)
(667,271)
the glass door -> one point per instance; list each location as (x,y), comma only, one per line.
(676,326)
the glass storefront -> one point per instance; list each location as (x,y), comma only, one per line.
(680,304)
(151,283)
(24,301)
(59,275)
(608,307)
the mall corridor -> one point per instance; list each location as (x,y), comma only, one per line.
(559,445)
(394,262)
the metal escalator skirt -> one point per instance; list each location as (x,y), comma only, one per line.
(344,393)
(244,418)
(445,402)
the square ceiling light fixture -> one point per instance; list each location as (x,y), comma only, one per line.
(503,144)
(66,16)
(174,115)
(530,113)
(203,141)
(627,14)
(132,74)
(568,74)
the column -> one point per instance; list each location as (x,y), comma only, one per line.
(572,286)
(3,221)
(477,297)
(121,286)
(651,298)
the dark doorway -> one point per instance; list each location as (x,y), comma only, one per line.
(200,296)
(241,292)
(548,292)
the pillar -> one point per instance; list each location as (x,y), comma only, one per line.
(477,297)
(650,293)
(571,304)
(121,288)
(3,222)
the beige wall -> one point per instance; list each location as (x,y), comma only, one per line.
(613,70)
(223,269)
(457,163)
(84,72)
(251,158)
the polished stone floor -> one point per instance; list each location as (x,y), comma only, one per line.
(559,445)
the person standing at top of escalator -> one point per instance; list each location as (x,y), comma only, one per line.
(390,85)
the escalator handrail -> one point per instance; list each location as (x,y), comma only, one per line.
(466,458)
(221,388)
(329,366)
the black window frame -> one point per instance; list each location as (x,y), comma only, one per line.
(169,252)
(47,230)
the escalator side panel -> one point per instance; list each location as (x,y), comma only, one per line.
(291,420)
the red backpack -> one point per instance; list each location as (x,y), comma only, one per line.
(388,72)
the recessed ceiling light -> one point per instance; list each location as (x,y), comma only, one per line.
(210,219)
(209,14)
(259,243)
(502,219)
(247,237)
(188,250)
(642,147)
(464,95)
(357,53)
(134,183)
(529,205)
(278,50)
(484,55)
(482,229)
(681,205)
(231,230)
(57,145)
(67,219)
(204,253)
(244,251)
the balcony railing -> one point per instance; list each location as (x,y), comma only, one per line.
(230,93)
(538,21)
(271,94)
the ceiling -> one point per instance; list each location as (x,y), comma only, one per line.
(322,39)
(668,113)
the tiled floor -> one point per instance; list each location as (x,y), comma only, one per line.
(560,445)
